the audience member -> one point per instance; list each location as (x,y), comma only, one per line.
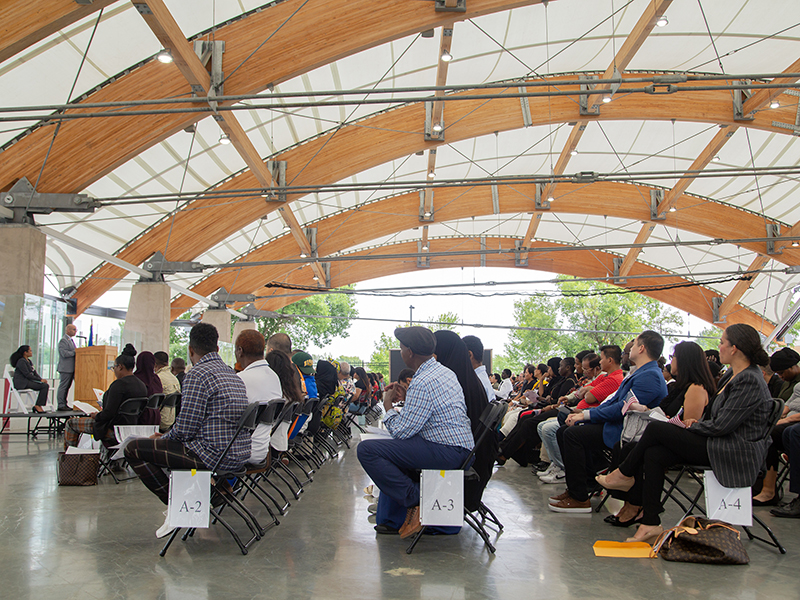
(169,384)
(178,368)
(101,424)
(26,377)
(495,379)
(214,398)
(475,349)
(360,401)
(146,373)
(774,381)
(731,438)
(261,383)
(286,371)
(791,443)
(506,385)
(280,341)
(713,356)
(432,432)
(784,363)
(597,429)
(305,364)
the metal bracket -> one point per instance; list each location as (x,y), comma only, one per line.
(716,303)
(618,260)
(450,5)
(773,231)
(160,266)
(21,203)
(251,311)
(583,99)
(223,297)
(211,51)
(140,7)
(430,134)
(311,235)
(538,203)
(795,129)
(424,214)
(278,170)
(526,107)
(495,199)
(423,262)
(326,270)
(483,250)
(84,2)
(520,248)
(741,96)
(656,198)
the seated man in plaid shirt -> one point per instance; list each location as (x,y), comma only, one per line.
(432,431)
(214,399)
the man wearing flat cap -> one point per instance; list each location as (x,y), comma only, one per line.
(432,432)
(784,362)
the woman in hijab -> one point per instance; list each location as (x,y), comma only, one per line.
(146,372)
(452,353)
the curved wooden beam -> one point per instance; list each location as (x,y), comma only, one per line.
(580,263)
(23,23)
(387,136)
(392,215)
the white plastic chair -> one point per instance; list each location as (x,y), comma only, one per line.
(21,400)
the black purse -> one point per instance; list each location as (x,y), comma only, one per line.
(699,540)
(78,469)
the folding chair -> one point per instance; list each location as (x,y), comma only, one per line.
(156,401)
(491,418)
(221,493)
(695,472)
(23,405)
(132,408)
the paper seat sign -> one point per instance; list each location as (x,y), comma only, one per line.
(189,498)
(732,505)
(441,498)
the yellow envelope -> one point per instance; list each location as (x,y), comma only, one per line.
(622,549)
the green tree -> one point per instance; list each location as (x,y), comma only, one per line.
(179,340)
(305,331)
(525,345)
(379,360)
(709,339)
(446,320)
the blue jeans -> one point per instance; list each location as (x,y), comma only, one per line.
(389,463)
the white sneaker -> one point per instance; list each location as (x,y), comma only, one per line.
(549,470)
(557,476)
(165,529)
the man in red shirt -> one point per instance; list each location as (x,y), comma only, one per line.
(591,395)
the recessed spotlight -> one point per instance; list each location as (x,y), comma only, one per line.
(774,104)
(286,228)
(573,153)
(437,127)
(165,56)
(446,56)
(431,174)
(606,99)
(224,139)
(795,244)
(315,278)
(672,209)
(427,214)
(425,247)
(550,198)
(533,239)
(662,21)
(303,255)
(716,158)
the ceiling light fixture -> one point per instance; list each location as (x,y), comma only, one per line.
(425,247)
(606,99)
(303,255)
(427,214)
(662,21)
(573,153)
(224,139)
(716,158)
(774,104)
(446,56)
(286,228)
(672,209)
(431,174)
(795,244)
(165,56)
(550,198)
(315,278)
(437,127)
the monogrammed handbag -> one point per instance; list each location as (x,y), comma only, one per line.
(78,469)
(699,540)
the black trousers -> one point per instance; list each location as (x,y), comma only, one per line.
(633,495)
(520,443)
(662,446)
(40,386)
(580,445)
(776,447)
(791,442)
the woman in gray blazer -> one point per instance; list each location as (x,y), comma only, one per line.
(26,377)
(732,437)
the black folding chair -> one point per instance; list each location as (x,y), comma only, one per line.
(156,401)
(695,473)
(131,409)
(222,494)
(490,419)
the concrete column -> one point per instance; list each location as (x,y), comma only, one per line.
(221,319)
(22,251)
(241,326)
(147,323)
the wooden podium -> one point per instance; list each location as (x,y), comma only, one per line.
(94,368)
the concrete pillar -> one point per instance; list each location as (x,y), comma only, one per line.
(22,251)
(241,326)
(147,323)
(221,319)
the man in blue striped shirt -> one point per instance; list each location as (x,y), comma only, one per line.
(432,431)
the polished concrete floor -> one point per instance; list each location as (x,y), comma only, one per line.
(99,542)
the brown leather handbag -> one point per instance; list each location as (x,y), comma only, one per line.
(78,469)
(699,540)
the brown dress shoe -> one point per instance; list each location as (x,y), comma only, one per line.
(570,505)
(562,496)
(412,524)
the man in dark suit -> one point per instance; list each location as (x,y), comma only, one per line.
(66,365)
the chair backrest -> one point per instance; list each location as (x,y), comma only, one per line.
(133,407)
(287,414)
(156,401)
(171,400)
(310,406)
(8,375)
(247,420)
(775,414)
(272,409)
(490,419)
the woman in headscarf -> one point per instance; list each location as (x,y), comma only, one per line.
(453,354)
(146,372)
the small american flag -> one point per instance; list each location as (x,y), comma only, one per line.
(631,398)
(676,420)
